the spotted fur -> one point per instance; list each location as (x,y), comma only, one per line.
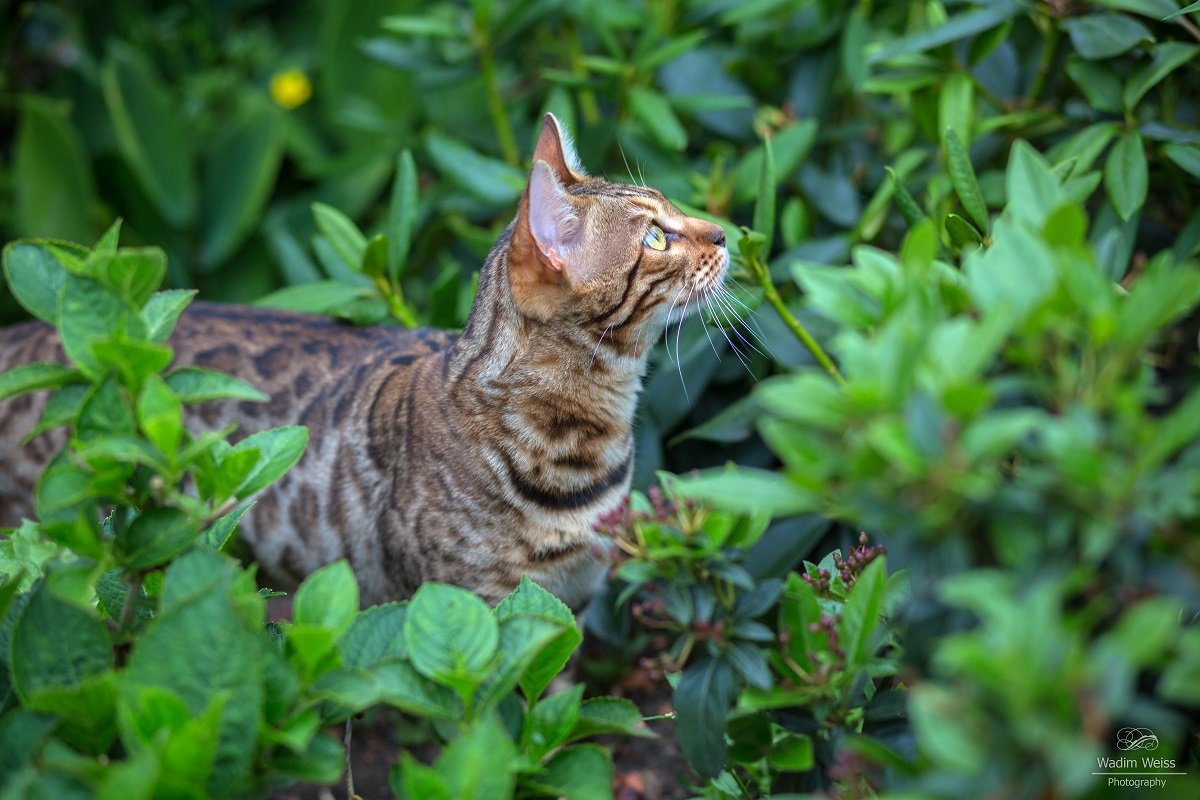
(471,459)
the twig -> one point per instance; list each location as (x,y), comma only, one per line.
(771,295)
(349,763)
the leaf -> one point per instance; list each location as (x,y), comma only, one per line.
(653,111)
(550,721)
(239,171)
(1104,35)
(402,214)
(216,536)
(1188,9)
(962,234)
(1185,156)
(31,377)
(35,278)
(150,133)
(451,635)
(956,107)
(599,715)
(56,644)
(320,297)
(1168,57)
(1126,178)
(860,615)
(1033,191)
(764,205)
(90,312)
(376,636)
(488,179)
(328,598)
(1099,83)
(200,384)
(793,753)
(479,764)
(162,312)
(132,273)
(155,537)
(750,664)
(347,241)
(55,194)
(703,697)
(280,449)
(1016,272)
(789,146)
(160,416)
(966,186)
(908,207)
(583,772)
(552,647)
(745,490)
(960,26)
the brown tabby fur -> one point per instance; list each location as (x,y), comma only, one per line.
(471,459)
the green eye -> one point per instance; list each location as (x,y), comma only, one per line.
(655,238)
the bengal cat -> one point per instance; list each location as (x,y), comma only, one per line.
(470,458)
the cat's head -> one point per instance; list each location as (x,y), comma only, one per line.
(585,251)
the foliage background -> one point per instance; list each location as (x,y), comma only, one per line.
(212,129)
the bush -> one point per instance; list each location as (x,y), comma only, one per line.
(999,386)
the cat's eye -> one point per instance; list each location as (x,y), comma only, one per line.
(655,238)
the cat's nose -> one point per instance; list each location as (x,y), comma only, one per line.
(717,235)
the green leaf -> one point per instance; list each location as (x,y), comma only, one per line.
(216,536)
(279,448)
(35,278)
(107,243)
(703,697)
(132,273)
(764,205)
(956,107)
(31,377)
(90,312)
(794,753)
(55,194)
(744,490)
(162,312)
(1099,83)
(537,653)
(653,111)
(1126,178)
(599,715)
(966,186)
(480,764)
(160,415)
(202,648)
(150,133)
(134,361)
(320,297)
(1033,190)
(451,635)
(376,636)
(583,772)
(328,598)
(860,616)
(1168,57)
(908,207)
(424,25)
(960,26)
(155,537)
(239,171)
(962,234)
(550,722)
(1104,35)
(488,179)
(200,384)
(56,644)
(402,214)
(1188,9)
(788,147)
(342,234)
(1017,272)
(1185,156)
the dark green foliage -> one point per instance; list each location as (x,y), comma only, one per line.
(1000,385)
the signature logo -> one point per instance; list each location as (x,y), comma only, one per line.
(1136,739)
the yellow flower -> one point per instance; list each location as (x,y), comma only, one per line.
(290,88)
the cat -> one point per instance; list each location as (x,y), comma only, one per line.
(470,458)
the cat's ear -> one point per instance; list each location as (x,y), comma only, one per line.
(555,148)
(552,221)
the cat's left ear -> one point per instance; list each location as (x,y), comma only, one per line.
(547,220)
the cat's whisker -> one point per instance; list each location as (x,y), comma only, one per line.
(719,310)
(713,314)
(678,354)
(667,321)
(704,322)
(599,342)
(628,169)
(750,317)
(723,299)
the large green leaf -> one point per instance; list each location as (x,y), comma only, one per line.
(328,597)
(150,133)
(960,26)
(199,384)
(279,450)
(35,277)
(451,635)
(1104,35)
(56,644)
(52,179)
(1126,175)
(703,697)
(239,171)
(488,179)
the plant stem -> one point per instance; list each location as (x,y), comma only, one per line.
(487,69)
(129,612)
(771,295)
(1045,62)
